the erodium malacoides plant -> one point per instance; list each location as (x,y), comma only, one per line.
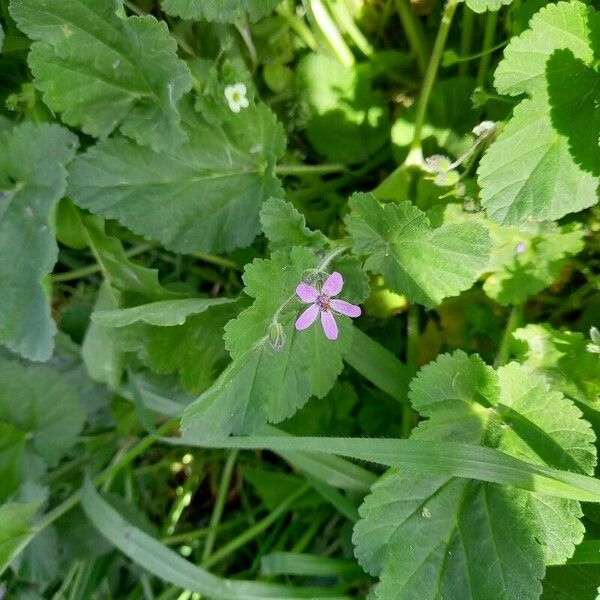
(299,299)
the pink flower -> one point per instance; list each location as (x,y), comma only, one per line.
(322,302)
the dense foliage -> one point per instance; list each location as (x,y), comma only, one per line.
(299,299)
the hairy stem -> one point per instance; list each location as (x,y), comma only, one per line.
(416,156)
(215,518)
(412,346)
(514,321)
(325,24)
(414,33)
(488,42)
(466,40)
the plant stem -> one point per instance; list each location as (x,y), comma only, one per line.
(219,261)
(466,40)
(346,22)
(412,346)
(92,269)
(414,33)
(324,23)
(299,26)
(257,529)
(219,506)
(514,320)
(310,169)
(415,156)
(488,42)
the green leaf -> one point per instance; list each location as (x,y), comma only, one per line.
(204,196)
(574,97)
(12,446)
(15,519)
(452,459)
(347,117)
(174,335)
(528,259)
(544,164)
(285,227)
(120,273)
(480,6)
(103,72)
(32,180)
(425,264)
(163,314)
(561,357)
(572,582)
(40,401)
(565,25)
(169,566)
(221,11)
(528,173)
(101,354)
(437,524)
(377,364)
(263,383)
(294,563)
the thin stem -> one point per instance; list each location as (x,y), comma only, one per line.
(310,169)
(469,57)
(346,22)
(219,261)
(196,534)
(412,346)
(466,39)
(257,529)
(330,32)
(488,42)
(414,33)
(416,155)
(333,254)
(299,26)
(92,269)
(217,513)
(514,320)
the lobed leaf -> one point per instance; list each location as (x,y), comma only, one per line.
(564,25)
(40,401)
(562,358)
(285,227)
(15,527)
(203,196)
(103,72)
(32,180)
(425,264)
(221,11)
(529,173)
(264,383)
(184,336)
(527,259)
(455,534)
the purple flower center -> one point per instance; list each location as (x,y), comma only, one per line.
(323,302)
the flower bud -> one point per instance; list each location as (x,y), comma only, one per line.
(276,336)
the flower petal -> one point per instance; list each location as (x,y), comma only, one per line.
(307,293)
(240,88)
(244,102)
(333,284)
(329,325)
(345,308)
(307,318)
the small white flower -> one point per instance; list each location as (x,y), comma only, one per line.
(484,128)
(236,97)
